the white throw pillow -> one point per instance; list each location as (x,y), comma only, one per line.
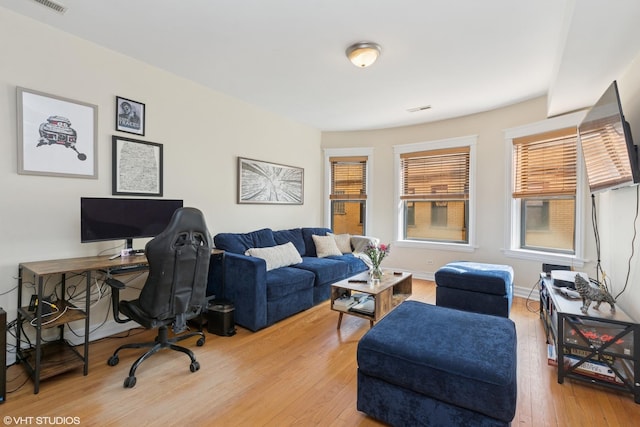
(343,241)
(360,243)
(325,246)
(277,256)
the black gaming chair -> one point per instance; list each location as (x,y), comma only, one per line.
(174,291)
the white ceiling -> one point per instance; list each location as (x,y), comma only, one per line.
(287,56)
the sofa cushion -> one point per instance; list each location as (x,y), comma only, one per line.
(307,232)
(238,243)
(354,264)
(325,246)
(326,270)
(293,235)
(287,280)
(277,256)
(343,241)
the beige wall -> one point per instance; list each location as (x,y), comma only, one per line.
(491,187)
(202,132)
(617,210)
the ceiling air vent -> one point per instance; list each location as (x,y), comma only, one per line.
(53,5)
(416,109)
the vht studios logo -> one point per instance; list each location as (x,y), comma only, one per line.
(44,421)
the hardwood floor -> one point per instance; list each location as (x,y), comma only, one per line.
(301,371)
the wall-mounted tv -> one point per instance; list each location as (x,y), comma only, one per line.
(127,219)
(610,156)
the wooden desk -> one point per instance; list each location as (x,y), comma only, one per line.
(65,357)
(60,356)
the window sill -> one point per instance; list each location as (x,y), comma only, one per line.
(546,257)
(454,247)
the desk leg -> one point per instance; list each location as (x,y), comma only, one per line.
(87,324)
(340,319)
(38,348)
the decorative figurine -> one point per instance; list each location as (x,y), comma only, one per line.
(591,294)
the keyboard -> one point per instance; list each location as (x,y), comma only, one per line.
(130,268)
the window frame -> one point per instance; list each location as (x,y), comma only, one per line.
(513,207)
(457,142)
(348,152)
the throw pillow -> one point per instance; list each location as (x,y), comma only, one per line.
(325,246)
(277,256)
(343,241)
(360,243)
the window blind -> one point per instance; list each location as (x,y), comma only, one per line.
(436,174)
(348,178)
(545,164)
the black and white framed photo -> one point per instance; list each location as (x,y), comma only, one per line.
(269,183)
(137,167)
(130,116)
(56,136)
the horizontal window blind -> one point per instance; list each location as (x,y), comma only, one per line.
(605,150)
(545,164)
(348,178)
(436,174)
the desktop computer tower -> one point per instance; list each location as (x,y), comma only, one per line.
(220,320)
(3,355)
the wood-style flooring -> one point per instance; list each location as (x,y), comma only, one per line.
(301,371)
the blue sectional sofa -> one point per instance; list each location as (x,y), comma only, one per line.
(268,286)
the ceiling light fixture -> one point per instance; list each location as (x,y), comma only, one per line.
(363,54)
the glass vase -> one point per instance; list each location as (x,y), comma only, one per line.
(376,273)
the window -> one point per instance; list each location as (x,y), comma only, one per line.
(435,191)
(545,185)
(348,193)
(545,193)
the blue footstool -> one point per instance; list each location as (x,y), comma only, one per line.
(424,365)
(477,287)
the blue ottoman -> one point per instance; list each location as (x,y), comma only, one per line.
(424,365)
(477,287)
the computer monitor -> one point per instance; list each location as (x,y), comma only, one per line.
(127,219)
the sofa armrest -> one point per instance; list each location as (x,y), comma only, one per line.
(245,285)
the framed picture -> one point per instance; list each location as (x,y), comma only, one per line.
(56,136)
(130,116)
(137,167)
(269,183)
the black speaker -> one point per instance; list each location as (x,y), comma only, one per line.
(220,319)
(3,356)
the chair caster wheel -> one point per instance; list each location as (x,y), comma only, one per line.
(129,382)
(195,366)
(200,342)
(113,361)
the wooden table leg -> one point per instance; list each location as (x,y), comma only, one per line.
(340,320)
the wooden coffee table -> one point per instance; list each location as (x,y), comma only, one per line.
(387,294)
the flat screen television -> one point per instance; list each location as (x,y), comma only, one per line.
(610,156)
(127,219)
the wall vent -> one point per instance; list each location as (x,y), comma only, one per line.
(60,8)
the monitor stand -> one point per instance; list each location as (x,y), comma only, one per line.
(128,249)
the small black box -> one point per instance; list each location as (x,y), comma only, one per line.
(220,318)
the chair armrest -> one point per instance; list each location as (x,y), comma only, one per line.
(116,286)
